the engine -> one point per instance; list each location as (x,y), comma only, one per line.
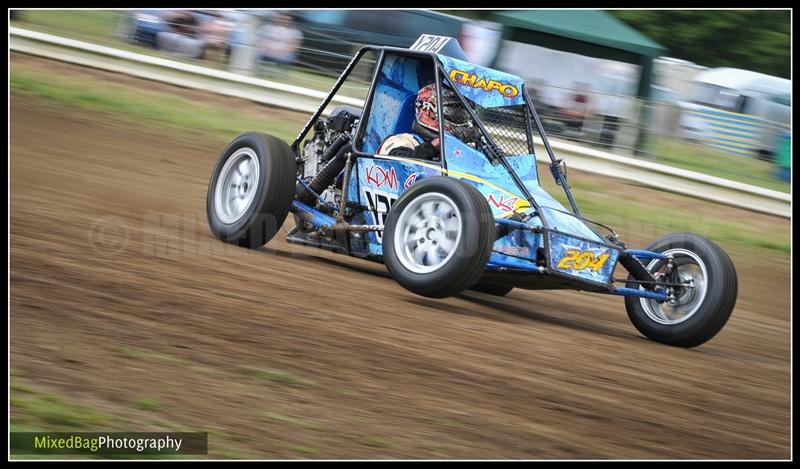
(324,158)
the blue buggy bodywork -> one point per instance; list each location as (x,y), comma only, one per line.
(540,243)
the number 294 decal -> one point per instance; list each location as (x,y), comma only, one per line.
(579,260)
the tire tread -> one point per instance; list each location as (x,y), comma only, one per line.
(718,315)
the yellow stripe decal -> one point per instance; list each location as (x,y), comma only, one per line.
(458,175)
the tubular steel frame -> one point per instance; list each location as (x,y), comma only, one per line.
(327,224)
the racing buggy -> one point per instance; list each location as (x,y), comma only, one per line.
(472,213)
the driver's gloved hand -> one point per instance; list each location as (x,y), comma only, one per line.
(428,150)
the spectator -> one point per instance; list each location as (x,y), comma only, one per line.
(611,108)
(216,32)
(549,114)
(183,36)
(577,110)
(279,40)
(182,22)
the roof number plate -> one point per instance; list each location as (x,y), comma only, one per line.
(430,43)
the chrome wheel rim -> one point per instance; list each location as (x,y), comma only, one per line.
(428,232)
(236,185)
(686,302)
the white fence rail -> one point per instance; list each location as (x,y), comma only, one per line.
(292,97)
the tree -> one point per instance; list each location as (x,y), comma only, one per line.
(757,40)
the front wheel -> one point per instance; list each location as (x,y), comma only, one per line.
(251,190)
(438,237)
(697,312)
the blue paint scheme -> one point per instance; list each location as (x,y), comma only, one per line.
(359,243)
(501,192)
(396,88)
(653,295)
(462,158)
(497,185)
(504,196)
(645,254)
(518,244)
(377,183)
(560,244)
(561,220)
(525,167)
(512,223)
(504,264)
(318,218)
(466,163)
(480,96)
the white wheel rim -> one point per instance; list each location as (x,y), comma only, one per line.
(236,186)
(428,232)
(690,268)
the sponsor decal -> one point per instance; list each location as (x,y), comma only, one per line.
(457,153)
(380,177)
(379,203)
(475,81)
(575,259)
(410,180)
(502,202)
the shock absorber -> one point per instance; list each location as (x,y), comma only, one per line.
(638,270)
(334,154)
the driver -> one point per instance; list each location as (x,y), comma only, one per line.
(424,142)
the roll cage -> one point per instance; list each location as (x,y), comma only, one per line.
(490,148)
(553,237)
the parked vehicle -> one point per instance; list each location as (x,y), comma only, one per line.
(331,37)
(146,27)
(141,26)
(473,216)
(737,111)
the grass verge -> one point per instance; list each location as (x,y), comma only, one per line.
(32,410)
(706,160)
(643,217)
(98,26)
(151,109)
(185,119)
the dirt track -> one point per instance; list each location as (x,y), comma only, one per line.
(292,352)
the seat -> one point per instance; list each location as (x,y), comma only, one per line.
(392,109)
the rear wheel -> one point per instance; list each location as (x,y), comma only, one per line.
(697,312)
(438,237)
(251,190)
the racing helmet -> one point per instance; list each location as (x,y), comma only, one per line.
(427,119)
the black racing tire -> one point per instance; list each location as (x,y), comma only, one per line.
(270,199)
(468,252)
(711,312)
(492,289)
